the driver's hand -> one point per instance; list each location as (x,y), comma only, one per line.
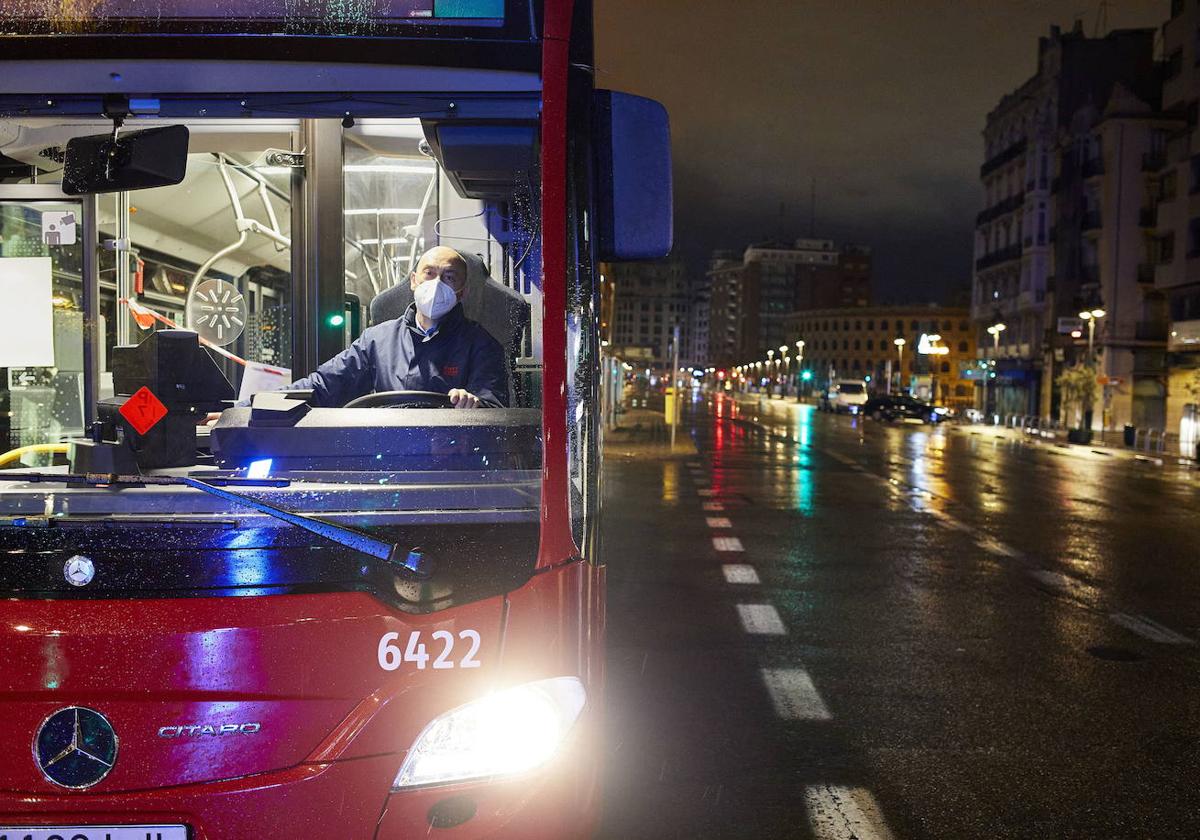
(210,419)
(460,398)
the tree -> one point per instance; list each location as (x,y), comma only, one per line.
(1192,386)
(1077,384)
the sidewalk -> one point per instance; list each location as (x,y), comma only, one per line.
(1058,441)
(642,433)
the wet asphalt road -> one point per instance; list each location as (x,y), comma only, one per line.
(898,632)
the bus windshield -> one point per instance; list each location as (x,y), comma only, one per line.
(269,321)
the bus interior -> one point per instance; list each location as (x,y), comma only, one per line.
(235,254)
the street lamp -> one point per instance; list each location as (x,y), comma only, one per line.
(1092,316)
(994,331)
(899,342)
(799,365)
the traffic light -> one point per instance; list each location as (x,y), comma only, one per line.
(806,375)
(337,319)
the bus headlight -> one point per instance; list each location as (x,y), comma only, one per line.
(509,732)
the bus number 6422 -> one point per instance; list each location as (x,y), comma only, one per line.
(391,657)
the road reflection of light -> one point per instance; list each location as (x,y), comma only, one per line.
(802,484)
(670,481)
(804,425)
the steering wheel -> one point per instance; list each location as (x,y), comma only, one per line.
(401,399)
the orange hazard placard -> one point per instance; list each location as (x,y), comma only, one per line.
(143,410)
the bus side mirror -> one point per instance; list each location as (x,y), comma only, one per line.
(138,160)
(633,177)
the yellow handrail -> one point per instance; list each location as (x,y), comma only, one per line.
(21,451)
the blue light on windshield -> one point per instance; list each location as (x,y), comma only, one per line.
(259,469)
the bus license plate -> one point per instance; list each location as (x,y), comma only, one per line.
(94,832)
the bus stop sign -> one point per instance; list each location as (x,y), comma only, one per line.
(143,410)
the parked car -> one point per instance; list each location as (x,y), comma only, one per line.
(898,407)
(845,395)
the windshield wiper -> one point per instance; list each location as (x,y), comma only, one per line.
(391,553)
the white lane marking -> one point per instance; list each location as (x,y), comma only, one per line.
(739,573)
(727,544)
(705,491)
(1055,580)
(713,506)
(1150,629)
(992,546)
(844,813)
(794,695)
(761,620)
(718,522)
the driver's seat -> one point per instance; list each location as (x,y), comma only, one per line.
(502,311)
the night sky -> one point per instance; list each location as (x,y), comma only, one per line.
(882,101)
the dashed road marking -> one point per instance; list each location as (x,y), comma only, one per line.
(727,544)
(713,506)
(794,695)
(742,573)
(844,813)
(994,546)
(1150,629)
(761,620)
(718,522)
(1054,580)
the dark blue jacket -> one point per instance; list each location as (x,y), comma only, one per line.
(397,356)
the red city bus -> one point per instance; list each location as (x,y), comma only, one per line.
(373,618)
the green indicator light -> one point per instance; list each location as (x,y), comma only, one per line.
(336,320)
(807,375)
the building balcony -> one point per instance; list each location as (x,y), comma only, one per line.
(1091,221)
(1001,208)
(1154,161)
(1145,273)
(1150,331)
(1012,252)
(1031,299)
(1007,156)
(1093,167)
(1148,216)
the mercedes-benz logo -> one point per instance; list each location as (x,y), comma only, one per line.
(75,747)
(79,570)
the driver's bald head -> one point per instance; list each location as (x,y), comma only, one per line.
(442,263)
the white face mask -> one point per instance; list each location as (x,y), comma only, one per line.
(434,299)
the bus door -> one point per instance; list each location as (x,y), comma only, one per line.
(44,389)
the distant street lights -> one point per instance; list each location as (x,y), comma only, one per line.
(899,342)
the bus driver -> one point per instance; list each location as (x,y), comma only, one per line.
(431,347)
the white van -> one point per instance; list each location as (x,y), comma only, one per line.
(848,395)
